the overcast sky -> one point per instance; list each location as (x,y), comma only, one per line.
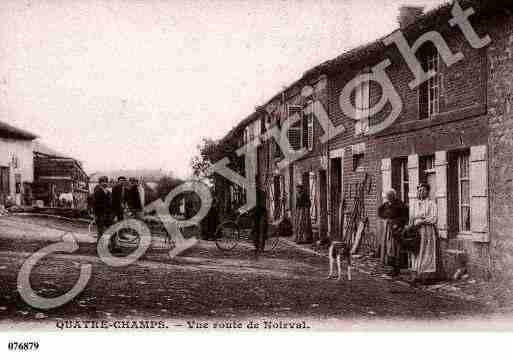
(137,84)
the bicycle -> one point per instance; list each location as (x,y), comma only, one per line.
(232,232)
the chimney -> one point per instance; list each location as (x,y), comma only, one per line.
(409,14)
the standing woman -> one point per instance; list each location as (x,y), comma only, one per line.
(424,218)
(395,216)
(303,223)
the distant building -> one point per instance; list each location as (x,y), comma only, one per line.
(56,174)
(16,163)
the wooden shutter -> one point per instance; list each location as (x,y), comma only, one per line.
(271,199)
(294,135)
(310,124)
(313,196)
(479,193)
(452,195)
(304,128)
(386,175)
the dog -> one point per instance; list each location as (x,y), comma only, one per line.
(336,252)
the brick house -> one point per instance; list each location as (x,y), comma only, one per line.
(454,131)
(499,56)
(443,135)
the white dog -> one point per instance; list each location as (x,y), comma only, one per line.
(336,251)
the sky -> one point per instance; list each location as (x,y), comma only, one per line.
(137,84)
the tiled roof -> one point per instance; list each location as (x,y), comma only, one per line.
(44,149)
(9,131)
(431,19)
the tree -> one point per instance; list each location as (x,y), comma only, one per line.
(208,154)
(166,184)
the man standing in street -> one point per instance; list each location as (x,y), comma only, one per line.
(119,198)
(260,223)
(102,206)
(135,198)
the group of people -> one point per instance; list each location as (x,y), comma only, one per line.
(413,234)
(419,227)
(110,206)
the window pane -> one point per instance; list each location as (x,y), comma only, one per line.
(464,165)
(465,192)
(465,218)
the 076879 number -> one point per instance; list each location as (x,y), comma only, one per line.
(26,346)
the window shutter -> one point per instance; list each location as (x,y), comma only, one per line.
(479,193)
(294,135)
(271,199)
(441,191)
(366,99)
(452,195)
(304,126)
(313,197)
(386,175)
(413,175)
(310,132)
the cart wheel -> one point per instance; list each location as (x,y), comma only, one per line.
(227,236)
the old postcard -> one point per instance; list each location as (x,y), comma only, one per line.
(255,166)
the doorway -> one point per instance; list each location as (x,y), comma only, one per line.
(336,197)
(323,205)
(4,183)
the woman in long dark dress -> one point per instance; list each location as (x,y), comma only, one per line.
(302,220)
(395,215)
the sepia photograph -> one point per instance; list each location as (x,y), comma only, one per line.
(241,166)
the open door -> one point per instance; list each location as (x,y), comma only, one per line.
(4,183)
(323,205)
(336,196)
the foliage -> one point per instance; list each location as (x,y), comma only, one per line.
(166,184)
(208,154)
(211,151)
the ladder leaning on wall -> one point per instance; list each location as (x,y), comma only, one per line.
(356,219)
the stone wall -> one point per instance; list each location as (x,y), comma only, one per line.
(500,109)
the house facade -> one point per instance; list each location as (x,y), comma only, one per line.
(16,164)
(453,130)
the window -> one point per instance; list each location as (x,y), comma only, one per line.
(358,162)
(252,131)
(400,179)
(358,156)
(464,192)
(275,148)
(362,104)
(429,92)
(17,181)
(295,131)
(428,173)
(245,136)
